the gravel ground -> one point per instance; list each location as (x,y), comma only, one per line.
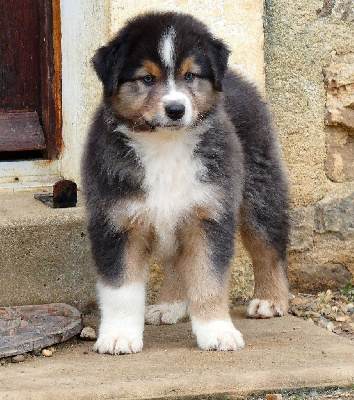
(309,394)
(306,394)
(330,310)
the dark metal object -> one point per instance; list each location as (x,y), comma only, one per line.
(31,328)
(64,195)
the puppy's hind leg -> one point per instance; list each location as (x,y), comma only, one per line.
(171,304)
(271,293)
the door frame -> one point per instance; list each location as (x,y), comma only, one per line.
(51,77)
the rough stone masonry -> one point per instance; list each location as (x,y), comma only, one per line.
(309,55)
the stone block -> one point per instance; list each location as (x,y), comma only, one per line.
(339,165)
(302,228)
(316,278)
(337,10)
(45,253)
(339,81)
(336,216)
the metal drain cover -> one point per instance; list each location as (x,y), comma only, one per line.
(27,328)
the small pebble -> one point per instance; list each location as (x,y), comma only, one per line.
(47,353)
(298,301)
(19,358)
(327,298)
(343,308)
(297,312)
(330,326)
(341,319)
(88,333)
(323,322)
(36,352)
(333,316)
(327,312)
(274,396)
(350,327)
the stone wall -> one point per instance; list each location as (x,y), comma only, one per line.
(309,57)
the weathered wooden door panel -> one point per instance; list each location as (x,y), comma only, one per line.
(20,55)
(21,131)
(29,76)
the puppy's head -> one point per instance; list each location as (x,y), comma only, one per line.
(162,70)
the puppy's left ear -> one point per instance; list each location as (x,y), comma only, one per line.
(219,55)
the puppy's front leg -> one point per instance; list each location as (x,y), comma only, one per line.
(121,263)
(122,318)
(208,248)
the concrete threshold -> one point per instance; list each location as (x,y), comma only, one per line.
(45,256)
(280,353)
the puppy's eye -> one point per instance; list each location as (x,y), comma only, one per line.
(149,80)
(189,77)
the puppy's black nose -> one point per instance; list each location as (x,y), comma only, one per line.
(175,111)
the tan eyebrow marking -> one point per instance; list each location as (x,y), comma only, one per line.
(152,68)
(189,65)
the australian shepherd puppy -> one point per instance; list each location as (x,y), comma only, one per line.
(180,154)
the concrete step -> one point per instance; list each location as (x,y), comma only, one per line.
(44,253)
(280,354)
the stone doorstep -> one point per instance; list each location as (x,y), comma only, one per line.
(280,354)
(20,207)
(45,255)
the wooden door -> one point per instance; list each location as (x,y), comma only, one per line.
(30,81)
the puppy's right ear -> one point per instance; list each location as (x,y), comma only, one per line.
(108,62)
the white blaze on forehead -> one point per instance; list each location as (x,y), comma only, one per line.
(167,48)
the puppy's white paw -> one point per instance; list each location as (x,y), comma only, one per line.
(119,344)
(217,335)
(166,313)
(264,309)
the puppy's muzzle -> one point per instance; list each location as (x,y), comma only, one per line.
(175,111)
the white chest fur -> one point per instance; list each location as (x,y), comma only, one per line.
(172,181)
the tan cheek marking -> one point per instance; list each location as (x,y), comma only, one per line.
(152,69)
(154,109)
(129,101)
(205,96)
